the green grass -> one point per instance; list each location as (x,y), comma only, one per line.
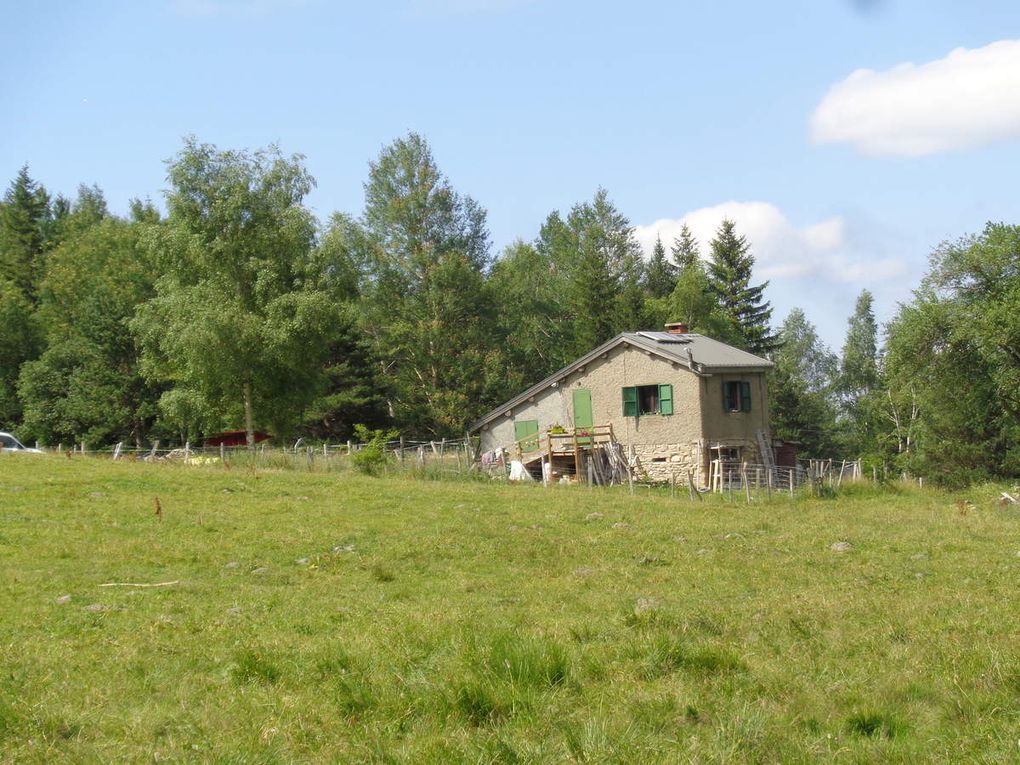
(337,618)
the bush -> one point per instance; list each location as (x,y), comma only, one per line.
(372,457)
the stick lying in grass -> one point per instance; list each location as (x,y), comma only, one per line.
(134,584)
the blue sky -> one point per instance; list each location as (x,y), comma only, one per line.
(845,137)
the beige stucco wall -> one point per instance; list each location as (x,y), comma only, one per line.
(664,444)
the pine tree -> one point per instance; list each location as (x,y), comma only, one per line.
(660,274)
(685,249)
(729,271)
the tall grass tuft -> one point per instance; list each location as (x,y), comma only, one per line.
(251,666)
(669,653)
(874,724)
(527,662)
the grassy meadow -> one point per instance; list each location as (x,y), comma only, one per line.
(330,617)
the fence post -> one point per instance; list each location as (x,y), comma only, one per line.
(155,446)
(630,466)
(116,450)
(791,482)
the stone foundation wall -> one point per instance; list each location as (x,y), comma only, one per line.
(660,462)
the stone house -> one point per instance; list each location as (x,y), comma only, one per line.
(677,400)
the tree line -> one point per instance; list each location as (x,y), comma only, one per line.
(238,309)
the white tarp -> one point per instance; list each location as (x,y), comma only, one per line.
(518,472)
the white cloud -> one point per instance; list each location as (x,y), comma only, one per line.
(823,250)
(967,99)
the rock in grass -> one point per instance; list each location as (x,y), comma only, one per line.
(644,605)
(593,517)
(841,547)
(621,525)
(340,549)
(63,599)
(260,570)
(232,564)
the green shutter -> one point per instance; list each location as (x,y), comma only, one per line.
(630,402)
(725,397)
(745,396)
(526,434)
(665,399)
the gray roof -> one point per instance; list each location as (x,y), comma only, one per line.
(708,353)
(698,354)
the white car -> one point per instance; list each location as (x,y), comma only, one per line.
(9,443)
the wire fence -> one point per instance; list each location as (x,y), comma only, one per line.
(460,459)
(436,458)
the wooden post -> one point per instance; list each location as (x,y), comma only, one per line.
(223,452)
(672,484)
(442,448)
(791,483)
(401,450)
(630,469)
(311,456)
(116,450)
(743,478)
(187,450)
(691,487)
(155,446)
(545,478)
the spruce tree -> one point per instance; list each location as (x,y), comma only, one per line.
(660,274)
(859,365)
(685,250)
(23,222)
(729,271)
(596,250)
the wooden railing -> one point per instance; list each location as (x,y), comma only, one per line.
(562,443)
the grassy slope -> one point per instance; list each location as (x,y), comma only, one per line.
(495,624)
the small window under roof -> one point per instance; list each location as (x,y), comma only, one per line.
(666,338)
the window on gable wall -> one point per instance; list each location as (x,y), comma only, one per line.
(737,396)
(647,399)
